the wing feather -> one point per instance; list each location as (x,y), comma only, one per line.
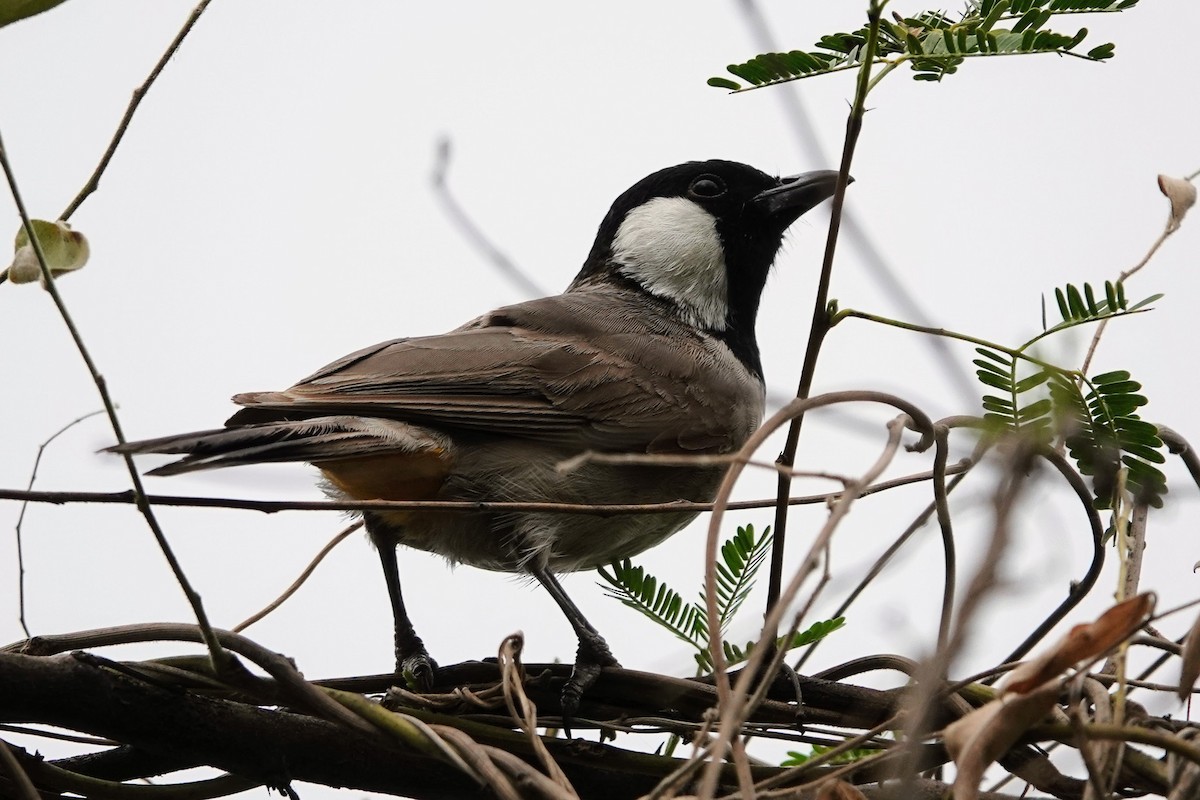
(586,370)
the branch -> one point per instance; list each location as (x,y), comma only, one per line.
(445,506)
(471,232)
(821,321)
(219,658)
(139,94)
(37,460)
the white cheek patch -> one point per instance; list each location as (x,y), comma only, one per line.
(670,246)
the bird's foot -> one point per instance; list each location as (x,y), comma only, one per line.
(416,668)
(592,656)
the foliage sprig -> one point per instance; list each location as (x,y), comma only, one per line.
(741,557)
(933,43)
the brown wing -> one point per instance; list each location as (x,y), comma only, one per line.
(597,369)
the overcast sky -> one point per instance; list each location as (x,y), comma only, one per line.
(271,209)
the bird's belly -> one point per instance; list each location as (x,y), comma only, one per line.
(512,541)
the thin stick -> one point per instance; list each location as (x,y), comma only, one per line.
(139,94)
(446,506)
(37,460)
(725,693)
(220,659)
(304,576)
(472,232)
(883,274)
(821,321)
(1162,237)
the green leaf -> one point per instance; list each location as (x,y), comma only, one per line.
(997,357)
(994,380)
(993,16)
(65,251)
(1033,381)
(1110,296)
(1154,298)
(724,83)
(1064,309)
(1075,303)
(988,366)
(13,10)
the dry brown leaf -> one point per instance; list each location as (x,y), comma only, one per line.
(1083,642)
(985,734)
(1182,194)
(1190,670)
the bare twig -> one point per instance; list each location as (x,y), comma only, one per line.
(138,95)
(304,575)
(444,506)
(523,711)
(821,320)
(729,698)
(59,736)
(805,135)
(1180,446)
(883,560)
(1083,587)
(931,676)
(471,232)
(670,460)
(941,502)
(37,460)
(1123,276)
(219,658)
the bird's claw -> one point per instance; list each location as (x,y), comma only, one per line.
(591,658)
(417,669)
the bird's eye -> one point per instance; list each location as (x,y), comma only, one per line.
(707,186)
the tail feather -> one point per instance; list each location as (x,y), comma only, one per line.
(311,440)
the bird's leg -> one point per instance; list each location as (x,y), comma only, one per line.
(411,656)
(593,653)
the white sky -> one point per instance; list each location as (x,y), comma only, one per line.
(270,209)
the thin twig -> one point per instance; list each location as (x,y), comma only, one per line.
(139,94)
(729,698)
(821,321)
(37,460)
(523,711)
(1125,275)
(1180,446)
(58,736)
(472,232)
(883,274)
(219,658)
(1083,587)
(931,676)
(687,460)
(446,506)
(941,502)
(304,576)
(882,561)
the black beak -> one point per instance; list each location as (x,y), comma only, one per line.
(797,194)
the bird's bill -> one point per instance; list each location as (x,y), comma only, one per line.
(797,194)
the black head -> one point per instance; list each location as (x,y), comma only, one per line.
(702,236)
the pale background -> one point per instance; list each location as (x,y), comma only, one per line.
(271,209)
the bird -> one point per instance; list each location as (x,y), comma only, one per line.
(650,351)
